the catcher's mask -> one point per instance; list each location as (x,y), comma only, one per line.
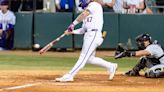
(84,3)
(140,39)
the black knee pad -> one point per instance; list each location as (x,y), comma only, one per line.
(143,60)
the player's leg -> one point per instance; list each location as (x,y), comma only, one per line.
(140,65)
(111,67)
(89,45)
(144,62)
(155,71)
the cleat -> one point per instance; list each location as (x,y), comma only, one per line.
(65,78)
(113,71)
(132,73)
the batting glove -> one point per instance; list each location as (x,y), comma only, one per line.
(71,27)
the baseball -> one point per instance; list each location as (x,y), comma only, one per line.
(36,46)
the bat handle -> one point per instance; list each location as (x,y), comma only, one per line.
(41,52)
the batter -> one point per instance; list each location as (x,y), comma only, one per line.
(92,18)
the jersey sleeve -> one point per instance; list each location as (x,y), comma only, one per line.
(79,31)
(13,19)
(151,49)
(91,7)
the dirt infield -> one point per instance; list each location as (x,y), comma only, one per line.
(56,54)
(85,81)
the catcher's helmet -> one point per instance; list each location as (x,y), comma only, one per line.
(4,2)
(84,3)
(140,40)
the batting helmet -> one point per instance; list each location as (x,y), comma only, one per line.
(140,40)
(4,2)
(84,3)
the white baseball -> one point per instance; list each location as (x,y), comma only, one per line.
(36,46)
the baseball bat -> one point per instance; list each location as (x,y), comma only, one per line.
(104,33)
(52,43)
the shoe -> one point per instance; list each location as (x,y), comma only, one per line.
(65,78)
(132,73)
(113,71)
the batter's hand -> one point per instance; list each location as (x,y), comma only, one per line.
(71,27)
(68,33)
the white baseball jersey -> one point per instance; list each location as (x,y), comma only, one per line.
(7,18)
(92,26)
(95,19)
(156,51)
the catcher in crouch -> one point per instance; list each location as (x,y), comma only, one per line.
(152,57)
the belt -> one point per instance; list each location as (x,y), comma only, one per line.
(92,30)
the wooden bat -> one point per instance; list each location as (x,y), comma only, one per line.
(52,43)
(104,33)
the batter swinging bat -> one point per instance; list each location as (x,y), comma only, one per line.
(48,46)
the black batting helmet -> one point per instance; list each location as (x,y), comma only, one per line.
(140,39)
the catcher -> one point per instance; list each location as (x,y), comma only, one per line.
(152,57)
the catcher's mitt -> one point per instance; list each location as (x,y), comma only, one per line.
(120,51)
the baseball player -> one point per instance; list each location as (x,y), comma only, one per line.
(92,18)
(7,22)
(152,57)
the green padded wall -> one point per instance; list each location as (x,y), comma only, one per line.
(23,30)
(78,39)
(119,27)
(133,25)
(49,26)
(111,25)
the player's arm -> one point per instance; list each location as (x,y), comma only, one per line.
(132,53)
(82,16)
(79,19)
(121,51)
(77,31)
(142,53)
(11,23)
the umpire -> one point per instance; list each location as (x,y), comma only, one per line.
(152,57)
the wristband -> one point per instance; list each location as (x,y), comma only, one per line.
(75,22)
(133,53)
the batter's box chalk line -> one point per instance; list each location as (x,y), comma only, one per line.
(19,87)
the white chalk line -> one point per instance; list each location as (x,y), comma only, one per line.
(19,87)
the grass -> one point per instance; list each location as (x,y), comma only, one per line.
(30,62)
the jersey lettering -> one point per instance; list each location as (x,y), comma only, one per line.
(89,19)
